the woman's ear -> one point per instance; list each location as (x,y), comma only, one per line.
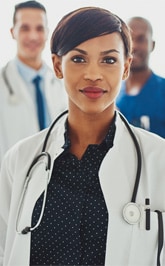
(127,68)
(57,66)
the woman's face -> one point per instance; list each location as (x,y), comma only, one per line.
(93,72)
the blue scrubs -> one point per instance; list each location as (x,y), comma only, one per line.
(147,108)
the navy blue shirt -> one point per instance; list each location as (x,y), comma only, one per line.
(73,230)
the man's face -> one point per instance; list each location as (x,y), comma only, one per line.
(30,32)
(143,44)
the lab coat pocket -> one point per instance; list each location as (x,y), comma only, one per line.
(133,245)
(147,248)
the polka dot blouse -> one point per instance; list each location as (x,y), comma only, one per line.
(73,229)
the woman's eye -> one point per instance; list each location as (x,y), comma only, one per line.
(78,59)
(109,60)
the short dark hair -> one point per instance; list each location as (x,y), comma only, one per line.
(85,23)
(27,4)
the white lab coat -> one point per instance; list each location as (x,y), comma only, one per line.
(19,120)
(127,245)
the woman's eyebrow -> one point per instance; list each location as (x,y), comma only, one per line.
(109,51)
(102,53)
(80,51)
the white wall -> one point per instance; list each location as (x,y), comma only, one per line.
(151,9)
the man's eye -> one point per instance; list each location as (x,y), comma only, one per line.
(24,28)
(78,59)
(109,60)
(41,29)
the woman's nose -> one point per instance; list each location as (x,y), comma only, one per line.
(93,72)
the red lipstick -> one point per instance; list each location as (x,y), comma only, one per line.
(93,92)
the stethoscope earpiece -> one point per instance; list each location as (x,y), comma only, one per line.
(13,99)
(26,230)
(132,213)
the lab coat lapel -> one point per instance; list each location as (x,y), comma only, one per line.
(18,84)
(117,177)
(118,169)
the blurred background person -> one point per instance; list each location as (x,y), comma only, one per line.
(142,96)
(30,94)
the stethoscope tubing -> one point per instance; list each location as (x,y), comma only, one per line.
(138,151)
(4,75)
(28,178)
(45,153)
(139,159)
(50,129)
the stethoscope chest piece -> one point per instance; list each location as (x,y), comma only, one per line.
(132,213)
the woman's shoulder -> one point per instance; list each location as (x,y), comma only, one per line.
(149,140)
(24,148)
(34,144)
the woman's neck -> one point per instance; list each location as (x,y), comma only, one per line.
(87,129)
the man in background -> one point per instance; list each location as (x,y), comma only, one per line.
(142,96)
(30,94)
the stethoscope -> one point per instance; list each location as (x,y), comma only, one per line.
(12,98)
(46,155)
(131,211)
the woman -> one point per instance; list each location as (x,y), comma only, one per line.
(84,217)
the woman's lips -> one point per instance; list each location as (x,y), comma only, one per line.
(92,92)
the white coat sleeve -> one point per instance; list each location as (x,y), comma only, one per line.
(5,196)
